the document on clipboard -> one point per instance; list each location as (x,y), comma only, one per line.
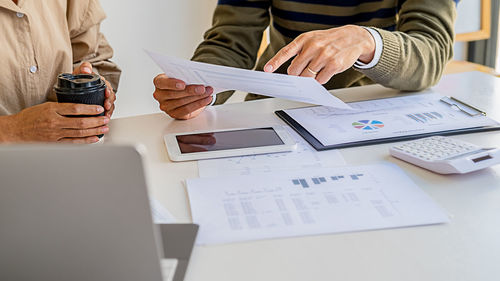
(386,120)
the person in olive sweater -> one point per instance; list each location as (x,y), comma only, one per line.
(402,44)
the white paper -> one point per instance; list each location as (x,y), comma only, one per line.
(160,214)
(303,89)
(384,118)
(310,202)
(303,157)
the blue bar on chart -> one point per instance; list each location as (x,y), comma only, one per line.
(430,115)
(304,184)
(356,177)
(319,180)
(301,182)
(422,117)
(425,116)
(415,118)
(336,178)
(437,115)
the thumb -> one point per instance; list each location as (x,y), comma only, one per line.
(84,68)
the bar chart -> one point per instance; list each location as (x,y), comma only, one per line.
(317,181)
(425,116)
(307,202)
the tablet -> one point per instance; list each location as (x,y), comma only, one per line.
(228,143)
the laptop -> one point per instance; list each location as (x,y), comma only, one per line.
(82,213)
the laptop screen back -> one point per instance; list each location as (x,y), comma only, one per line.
(75,213)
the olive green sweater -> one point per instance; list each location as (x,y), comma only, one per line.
(417,36)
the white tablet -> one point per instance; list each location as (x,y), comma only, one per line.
(228,143)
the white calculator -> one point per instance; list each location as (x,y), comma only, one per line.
(446,155)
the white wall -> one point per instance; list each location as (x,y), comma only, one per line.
(469,16)
(173,27)
(498,50)
(469,20)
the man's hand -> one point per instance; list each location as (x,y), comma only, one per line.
(322,54)
(47,122)
(179,100)
(109,103)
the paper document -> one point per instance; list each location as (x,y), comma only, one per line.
(384,118)
(159,213)
(303,157)
(303,89)
(310,202)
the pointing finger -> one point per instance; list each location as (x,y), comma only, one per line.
(284,55)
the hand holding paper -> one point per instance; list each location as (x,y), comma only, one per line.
(179,100)
(274,85)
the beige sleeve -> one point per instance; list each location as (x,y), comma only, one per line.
(415,55)
(87,42)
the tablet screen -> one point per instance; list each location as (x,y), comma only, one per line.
(228,140)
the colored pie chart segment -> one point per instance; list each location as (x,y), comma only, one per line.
(368,125)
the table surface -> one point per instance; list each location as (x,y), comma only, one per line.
(468,248)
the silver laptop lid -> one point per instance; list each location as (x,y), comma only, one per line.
(75,213)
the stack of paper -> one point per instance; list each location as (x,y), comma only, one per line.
(309,202)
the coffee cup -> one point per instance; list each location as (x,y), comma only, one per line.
(82,89)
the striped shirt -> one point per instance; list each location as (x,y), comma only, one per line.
(423,26)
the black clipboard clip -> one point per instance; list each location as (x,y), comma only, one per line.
(462,106)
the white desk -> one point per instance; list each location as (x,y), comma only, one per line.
(468,248)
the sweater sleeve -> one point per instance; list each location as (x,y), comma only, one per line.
(415,55)
(235,35)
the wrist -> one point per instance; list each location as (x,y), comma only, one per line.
(369,46)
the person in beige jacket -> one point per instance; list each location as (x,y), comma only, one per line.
(40,40)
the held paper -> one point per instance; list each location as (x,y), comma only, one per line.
(309,202)
(294,88)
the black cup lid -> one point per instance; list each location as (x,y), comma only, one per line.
(78,81)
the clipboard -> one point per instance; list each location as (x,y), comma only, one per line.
(452,102)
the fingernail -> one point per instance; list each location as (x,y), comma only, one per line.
(86,70)
(99,109)
(209,90)
(104,129)
(199,90)
(179,86)
(268,68)
(106,119)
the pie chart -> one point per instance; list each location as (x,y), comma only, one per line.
(368,125)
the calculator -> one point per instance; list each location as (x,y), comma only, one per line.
(445,155)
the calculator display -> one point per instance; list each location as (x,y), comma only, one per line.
(487,157)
